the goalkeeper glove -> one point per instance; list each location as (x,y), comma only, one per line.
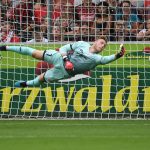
(2,48)
(68,64)
(121,53)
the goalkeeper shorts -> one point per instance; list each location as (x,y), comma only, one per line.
(58,71)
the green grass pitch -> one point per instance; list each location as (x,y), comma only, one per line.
(74,135)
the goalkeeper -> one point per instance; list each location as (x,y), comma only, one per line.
(83,57)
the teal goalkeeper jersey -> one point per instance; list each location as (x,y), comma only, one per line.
(82,59)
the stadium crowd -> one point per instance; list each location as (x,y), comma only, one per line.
(74,20)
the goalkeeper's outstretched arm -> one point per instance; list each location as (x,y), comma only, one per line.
(101,60)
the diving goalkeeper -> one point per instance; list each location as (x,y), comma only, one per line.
(83,57)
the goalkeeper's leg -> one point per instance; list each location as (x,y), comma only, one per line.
(35,82)
(24,51)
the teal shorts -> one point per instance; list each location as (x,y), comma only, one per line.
(58,71)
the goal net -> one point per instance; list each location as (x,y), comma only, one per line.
(120,89)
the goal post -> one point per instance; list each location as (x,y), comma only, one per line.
(117,90)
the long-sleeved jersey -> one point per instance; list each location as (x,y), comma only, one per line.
(82,59)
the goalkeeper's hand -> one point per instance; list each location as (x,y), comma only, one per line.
(68,64)
(121,52)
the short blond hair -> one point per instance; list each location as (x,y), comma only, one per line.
(102,37)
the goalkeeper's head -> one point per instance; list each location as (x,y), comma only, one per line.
(99,44)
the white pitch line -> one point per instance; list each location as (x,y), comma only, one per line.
(73,136)
(98,124)
(87,124)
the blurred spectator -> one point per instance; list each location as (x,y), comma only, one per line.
(44,26)
(84,30)
(83,33)
(21,14)
(15,2)
(73,35)
(113,7)
(104,19)
(144,34)
(79,2)
(66,21)
(37,36)
(137,3)
(113,3)
(7,33)
(121,32)
(57,11)
(138,8)
(40,11)
(58,8)
(26,34)
(0,14)
(56,33)
(131,20)
(6,6)
(147,9)
(141,14)
(85,13)
(76,30)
